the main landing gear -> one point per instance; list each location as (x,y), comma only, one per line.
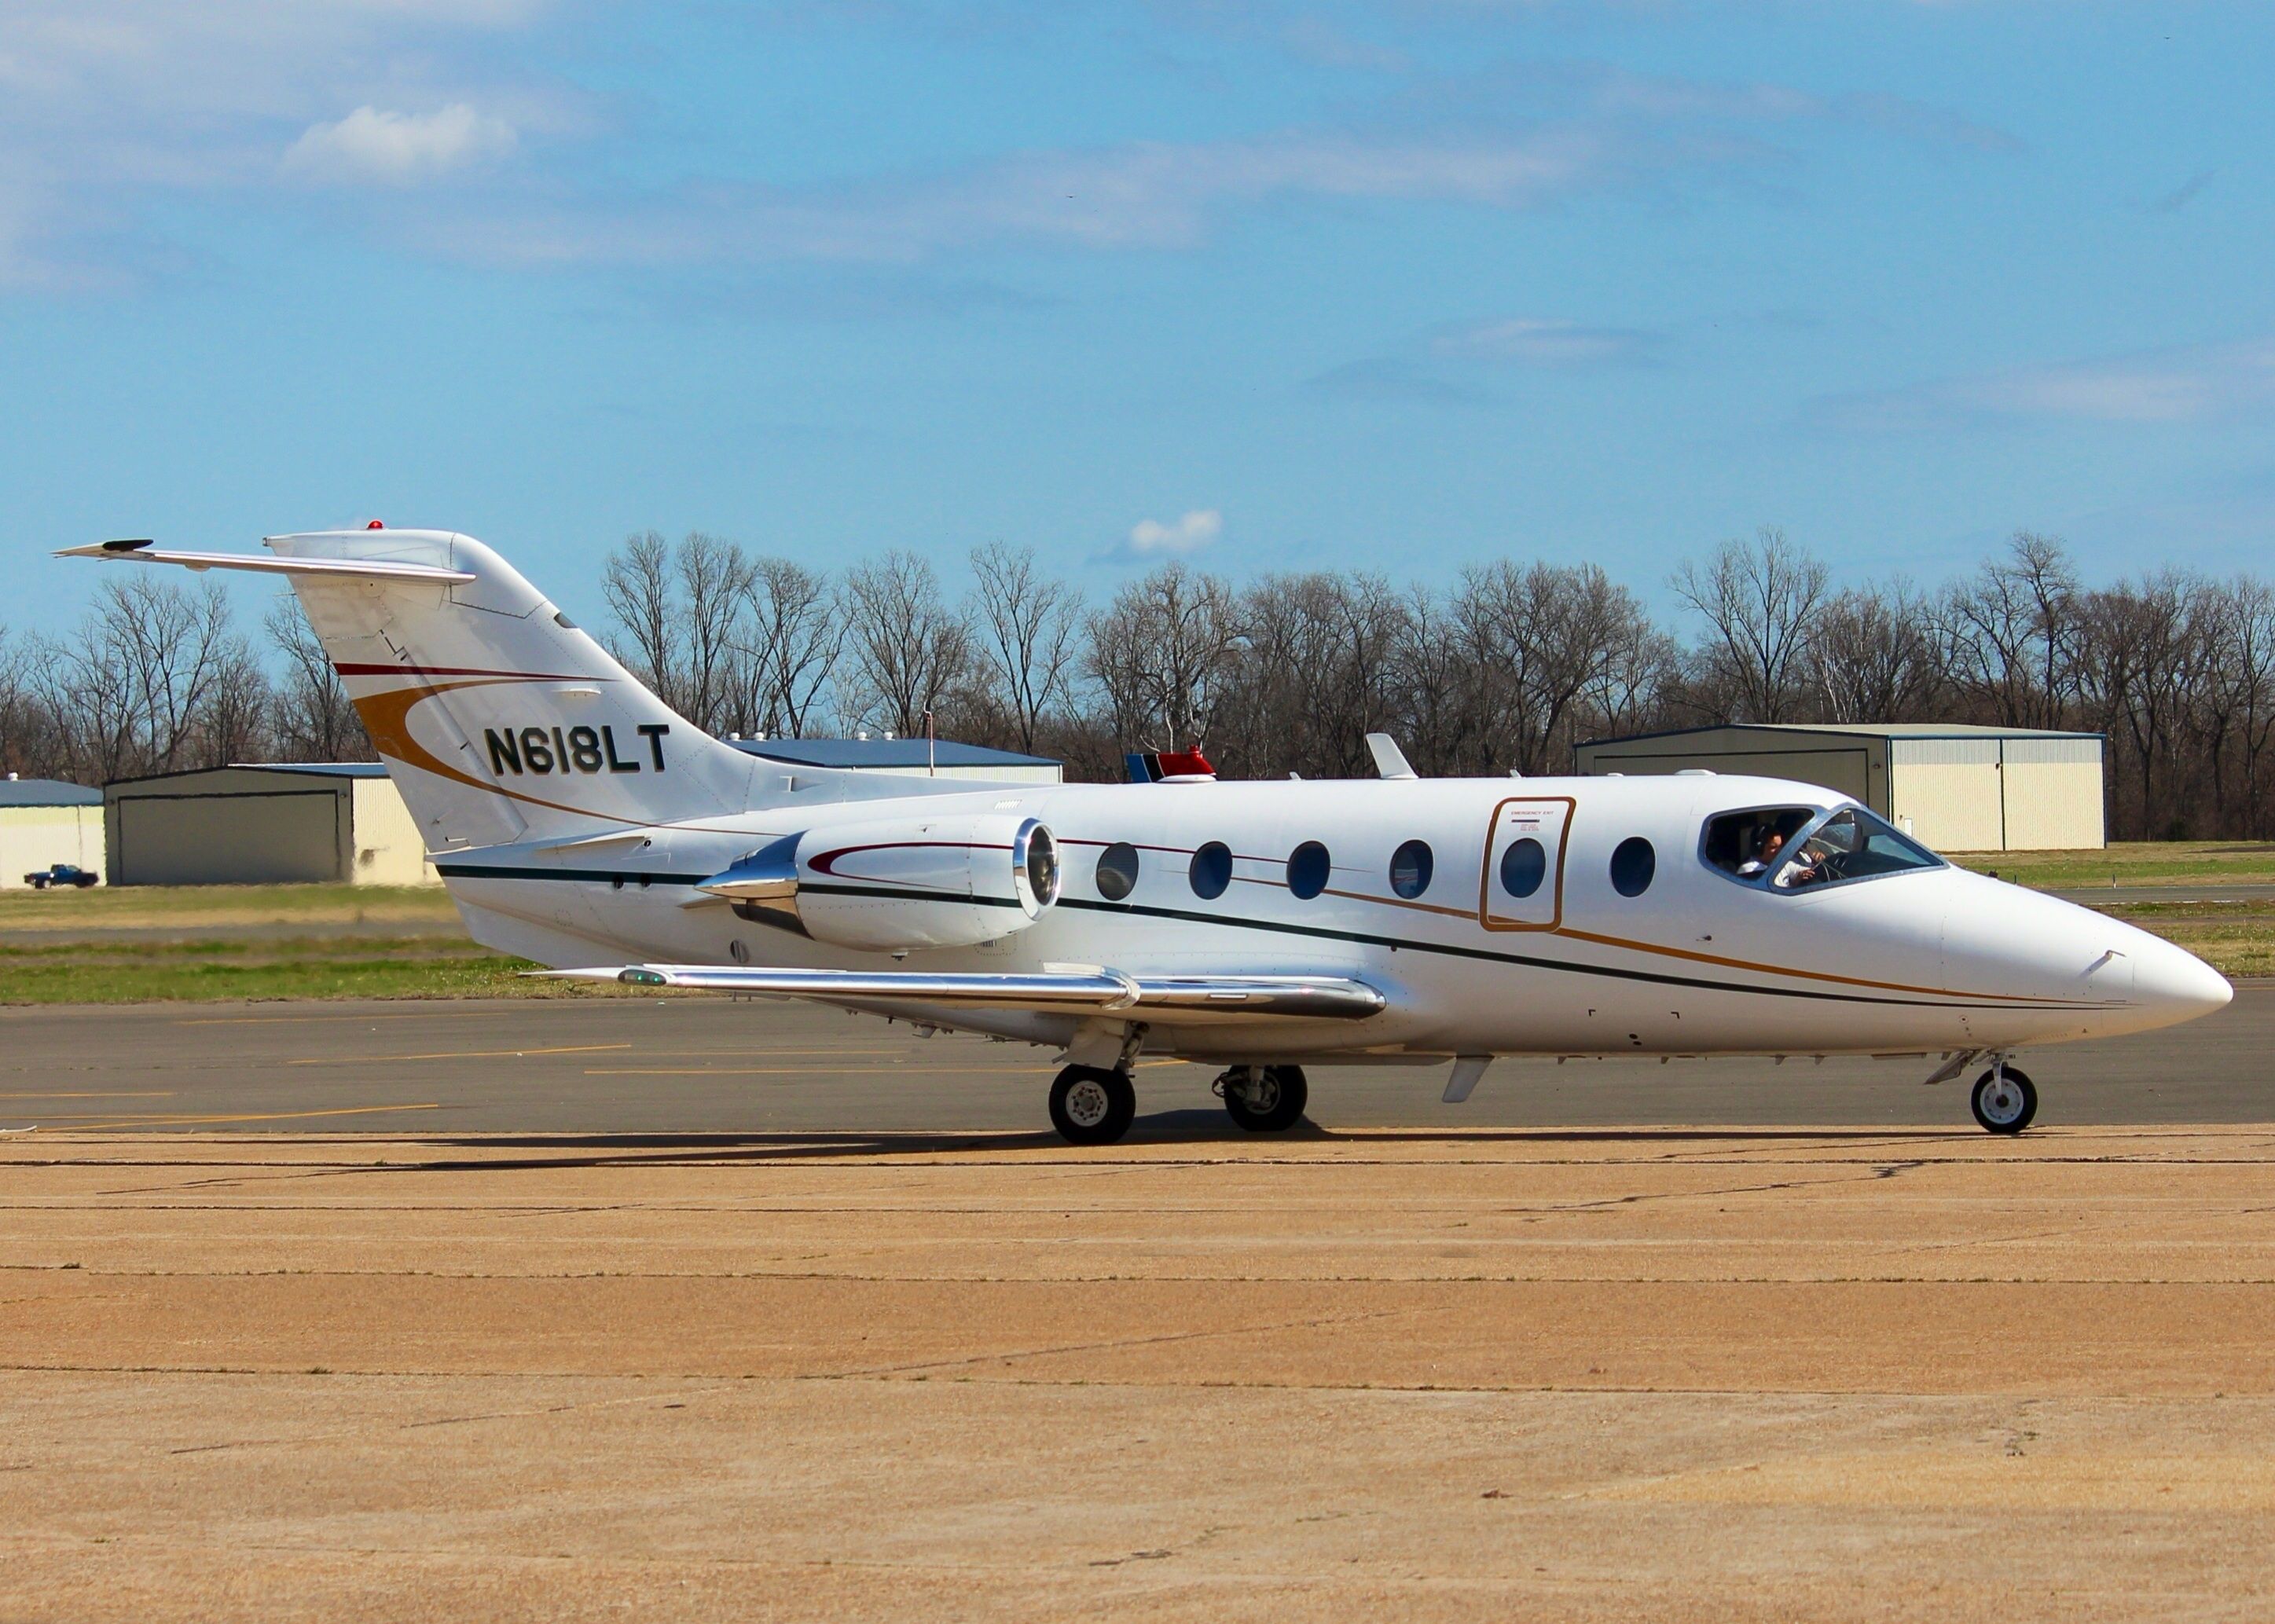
(1092,1104)
(1265,1098)
(2005,1099)
(1095,1104)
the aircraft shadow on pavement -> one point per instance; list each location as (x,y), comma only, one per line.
(1180,1127)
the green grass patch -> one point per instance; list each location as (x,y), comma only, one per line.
(2236,939)
(310,967)
(2129,862)
(197,907)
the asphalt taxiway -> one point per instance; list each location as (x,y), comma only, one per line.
(618,1065)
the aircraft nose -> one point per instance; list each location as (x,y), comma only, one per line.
(2176,984)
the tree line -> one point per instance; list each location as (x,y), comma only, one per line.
(1505,668)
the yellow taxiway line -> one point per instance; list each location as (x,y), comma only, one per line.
(360,1060)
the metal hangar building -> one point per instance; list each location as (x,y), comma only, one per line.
(1957,787)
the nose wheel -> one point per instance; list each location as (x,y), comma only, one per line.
(1265,1098)
(2005,1101)
(1091,1104)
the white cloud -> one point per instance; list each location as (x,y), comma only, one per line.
(2198,384)
(1525,341)
(1194,531)
(372,146)
(106,105)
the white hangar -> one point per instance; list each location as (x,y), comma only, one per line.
(44,821)
(1957,787)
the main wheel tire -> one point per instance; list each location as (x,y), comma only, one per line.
(1092,1106)
(1273,1103)
(2005,1101)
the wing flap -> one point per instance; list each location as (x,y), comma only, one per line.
(1099,991)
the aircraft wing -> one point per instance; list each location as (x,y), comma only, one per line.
(1075,988)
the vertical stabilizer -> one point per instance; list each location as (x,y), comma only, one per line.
(498,717)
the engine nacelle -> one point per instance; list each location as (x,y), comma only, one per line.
(898,884)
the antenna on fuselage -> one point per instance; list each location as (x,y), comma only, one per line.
(1389,760)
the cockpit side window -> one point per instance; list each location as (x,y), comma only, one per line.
(1851,845)
(1747,845)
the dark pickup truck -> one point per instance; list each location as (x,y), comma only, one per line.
(62,874)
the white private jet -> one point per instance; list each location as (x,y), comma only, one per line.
(580,822)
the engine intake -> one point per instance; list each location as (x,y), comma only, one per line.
(900,884)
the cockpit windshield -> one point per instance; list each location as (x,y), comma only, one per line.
(1851,845)
(1799,848)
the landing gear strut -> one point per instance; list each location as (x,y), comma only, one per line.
(2005,1099)
(1092,1104)
(1265,1098)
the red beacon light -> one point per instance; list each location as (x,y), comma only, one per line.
(1170,766)
(374,525)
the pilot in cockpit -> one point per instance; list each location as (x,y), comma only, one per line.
(1765,856)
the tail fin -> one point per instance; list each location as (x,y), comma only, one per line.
(501,721)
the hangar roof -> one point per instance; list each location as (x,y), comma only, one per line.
(1853,730)
(16,791)
(311,769)
(882,753)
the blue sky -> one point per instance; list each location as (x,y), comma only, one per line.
(1396,285)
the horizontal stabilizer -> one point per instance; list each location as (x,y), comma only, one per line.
(353,568)
(1104,990)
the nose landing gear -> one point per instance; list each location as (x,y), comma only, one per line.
(2005,1099)
(1265,1098)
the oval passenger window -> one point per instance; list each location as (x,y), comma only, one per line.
(1117,870)
(1522,866)
(1307,869)
(1409,868)
(1212,869)
(1633,864)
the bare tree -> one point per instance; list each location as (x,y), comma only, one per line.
(910,647)
(637,586)
(1163,651)
(1875,656)
(1432,684)
(1311,678)
(132,688)
(315,720)
(1028,631)
(1542,637)
(715,585)
(2012,633)
(23,740)
(796,628)
(234,721)
(1760,601)
(2239,690)
(2137,654)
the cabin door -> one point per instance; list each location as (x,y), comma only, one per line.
(1523,886)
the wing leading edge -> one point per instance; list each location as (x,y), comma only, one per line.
(1095,990)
